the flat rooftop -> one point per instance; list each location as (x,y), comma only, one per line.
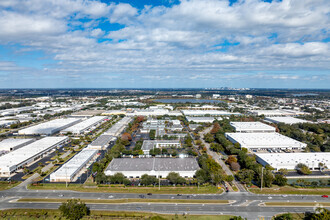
(8,144)
(156,164)
(85,124)
(251,126)
(102,140)
(311,159)
(150,144)
(286,120)
(265,140)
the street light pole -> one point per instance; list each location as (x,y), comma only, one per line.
(262,177)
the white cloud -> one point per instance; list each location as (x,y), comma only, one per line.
(162,41)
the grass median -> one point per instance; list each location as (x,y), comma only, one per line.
(128,200)
(7,185)
(291,190)
(24,214)
(298,204)
(122,189)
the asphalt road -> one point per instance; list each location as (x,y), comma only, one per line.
(244,204)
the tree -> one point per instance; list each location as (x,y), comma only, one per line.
(245,176)
(215,128)
(26,170)
(237,218)
(208,138)
(234,166)
(216,147)
(286,216)
(148,180)
(283,171)
(231,159)
(280,180)
(175,178)
(152,134)
(126,136)
(303,169)
(229,178)
(201,176)
(74,209)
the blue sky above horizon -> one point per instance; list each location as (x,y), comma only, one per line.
(164,43)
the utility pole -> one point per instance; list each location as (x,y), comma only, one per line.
(262,177)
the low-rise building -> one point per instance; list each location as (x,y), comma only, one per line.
(152,144)
(28,154)
(157,166)
(286,120)
(250,127)
(70,169)
(264,141)
(289,161)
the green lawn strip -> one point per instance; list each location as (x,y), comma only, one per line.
(95,214)
(92,201)
(298,204)
(291,190)
(122,189)
(5,185)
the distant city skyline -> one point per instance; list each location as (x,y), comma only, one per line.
(164,44)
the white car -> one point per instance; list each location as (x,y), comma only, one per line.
(269,197)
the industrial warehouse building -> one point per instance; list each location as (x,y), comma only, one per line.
(119,127)
(50,127)
(286,120)
(69,170)
(264,141)
(85,126)
(151,144)
(17,159)
(202,119)
(277,112)
(291,160)
(102,142)
(11,144)
(251,127)
(157,166)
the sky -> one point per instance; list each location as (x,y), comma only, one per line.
(164,43)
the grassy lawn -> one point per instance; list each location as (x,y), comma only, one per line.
(291,190)
(122,189)
(299,204)
(5,185)
(26,214)
(95,201)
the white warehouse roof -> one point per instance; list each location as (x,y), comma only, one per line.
(264,140)
(291,160)
(84,125)
(49,127)
(277,112)
(136,167)
(286,120)
(14,143)
(117,128)
(252,127)
(73,166)
(11,161)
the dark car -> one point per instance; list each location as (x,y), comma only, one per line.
(149,194)
(179,194)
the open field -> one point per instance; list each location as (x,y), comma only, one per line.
(97,201)
(5,185)
(122,189)
(298,204)
(27,214)
(291,190)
